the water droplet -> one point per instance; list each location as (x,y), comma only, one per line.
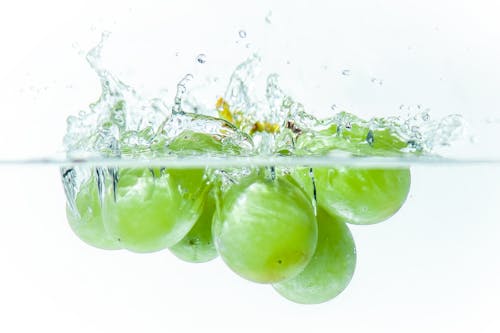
(268,17)
(181,91)
(346,72)
(242,33)
(201,58)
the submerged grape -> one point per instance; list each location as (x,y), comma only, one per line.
(86,222)
(330,269)
(198,246)
(265,230)
(359,195)
(148,209)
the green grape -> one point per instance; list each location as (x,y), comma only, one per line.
(265,230)
(358,195)
(150,210)
(189,142)
(358,139)
(87,222)
(330,269)
(198,246)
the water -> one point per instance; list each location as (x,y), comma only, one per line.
(431,267)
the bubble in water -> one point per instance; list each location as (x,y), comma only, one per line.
(201,58)
(242,33)
(346,72)
(369,137)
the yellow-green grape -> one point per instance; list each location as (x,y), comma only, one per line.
(356,138)
(330,269)
(87,222)
(358,195)
(190,142)
(198,246)
(265,230)
(149,210)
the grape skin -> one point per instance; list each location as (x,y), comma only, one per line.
(87,222)
(198,246)
(330,269)
(265,230)
(150,210)
(358,195)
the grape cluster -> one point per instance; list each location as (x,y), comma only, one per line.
(280,226)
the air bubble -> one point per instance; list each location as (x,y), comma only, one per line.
(242,33)
(369,137)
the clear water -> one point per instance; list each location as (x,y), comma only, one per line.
(432,267)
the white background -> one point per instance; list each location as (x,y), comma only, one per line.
(433,267)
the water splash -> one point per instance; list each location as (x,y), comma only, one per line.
(123,123)
(201,58)
(119,112)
